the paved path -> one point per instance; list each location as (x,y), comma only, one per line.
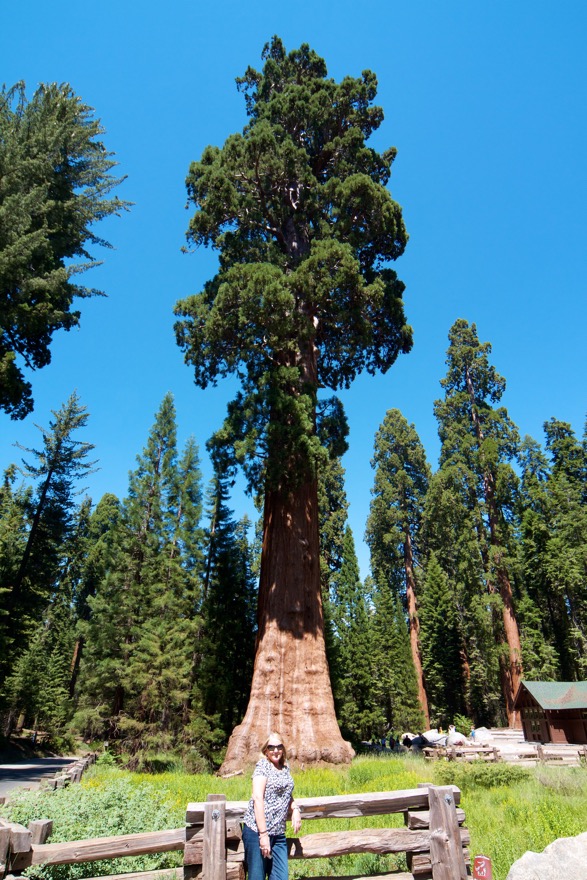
(30,772)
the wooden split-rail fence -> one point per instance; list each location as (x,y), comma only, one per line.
(526,754)
(72,773)
(433,838)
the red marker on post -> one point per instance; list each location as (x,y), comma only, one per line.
(482,868)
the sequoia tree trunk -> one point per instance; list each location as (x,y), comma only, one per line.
(290,691)
(414,624)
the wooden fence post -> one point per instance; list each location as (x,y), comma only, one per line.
(446,851)
(19,852)
(40,829)
(4,843)
(214,849)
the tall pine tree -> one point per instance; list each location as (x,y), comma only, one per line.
(49,523)
(358,714)
(55,179)
(229,606)
(137,679)
(393,526)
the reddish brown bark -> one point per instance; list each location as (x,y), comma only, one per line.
(414,624)
(466,670)
(512,671)
(75,663)
(291,690)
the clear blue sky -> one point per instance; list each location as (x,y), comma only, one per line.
(486,105)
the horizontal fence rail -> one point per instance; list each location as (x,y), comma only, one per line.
(525,753)
(339,806)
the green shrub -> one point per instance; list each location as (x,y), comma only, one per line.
(101,806)
(155,762)
(478,774)
(463,724)
(106,759)
(194,762)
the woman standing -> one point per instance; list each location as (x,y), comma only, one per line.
(268,810)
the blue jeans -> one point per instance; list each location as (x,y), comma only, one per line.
(258,867)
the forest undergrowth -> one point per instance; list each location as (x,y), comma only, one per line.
(508,809)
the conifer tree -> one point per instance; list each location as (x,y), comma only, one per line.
(453,529)
(395,684)
(59,465)
(393,526)
(49,523)
(137,674)
(566,550)
(358,715)
(37,690)
(55,179)
(228,616)
(298,210)
(333,510)
(544,624)
(480,438)
(441,638)
(14,506)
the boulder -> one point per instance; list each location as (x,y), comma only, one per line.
(565,858)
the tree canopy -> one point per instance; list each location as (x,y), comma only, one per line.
(55,181)
(298,209)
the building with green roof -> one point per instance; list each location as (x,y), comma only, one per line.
(553,711)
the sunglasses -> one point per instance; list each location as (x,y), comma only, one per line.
(278,748)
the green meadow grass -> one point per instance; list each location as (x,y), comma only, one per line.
(508,809)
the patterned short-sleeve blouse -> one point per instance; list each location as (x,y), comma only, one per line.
(278,792)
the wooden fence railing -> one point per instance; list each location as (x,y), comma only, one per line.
(72,773)
(433,838)
(526,754)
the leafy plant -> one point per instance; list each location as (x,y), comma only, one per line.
(479,774)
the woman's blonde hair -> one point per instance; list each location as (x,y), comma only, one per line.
(279,737)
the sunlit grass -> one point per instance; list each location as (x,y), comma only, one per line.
(508,810)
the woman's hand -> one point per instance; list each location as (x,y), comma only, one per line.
(265,845)
(296,819)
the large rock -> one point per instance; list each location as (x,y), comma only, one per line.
(565,859)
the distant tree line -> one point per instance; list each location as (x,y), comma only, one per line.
(134,620)
(128,622)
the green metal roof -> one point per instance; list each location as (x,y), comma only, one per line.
(557,694)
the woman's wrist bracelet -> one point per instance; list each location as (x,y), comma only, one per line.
(263,832)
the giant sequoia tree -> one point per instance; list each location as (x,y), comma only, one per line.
(298,210)
(479,440)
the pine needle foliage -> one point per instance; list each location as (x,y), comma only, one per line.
(55,184)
